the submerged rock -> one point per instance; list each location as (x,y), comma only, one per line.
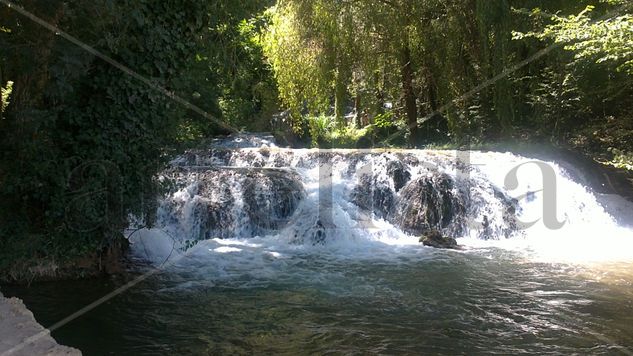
(435,239)
(319,236)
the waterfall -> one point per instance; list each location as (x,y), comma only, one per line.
(244,191)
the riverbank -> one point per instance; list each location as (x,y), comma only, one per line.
(20,334)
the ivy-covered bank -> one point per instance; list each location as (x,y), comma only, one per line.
(81,139)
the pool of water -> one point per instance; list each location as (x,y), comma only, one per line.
(418,300)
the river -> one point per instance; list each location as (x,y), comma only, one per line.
(262,250)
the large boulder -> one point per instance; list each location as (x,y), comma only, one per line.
(431,202)
(435,239)
(377,193)
(271,197)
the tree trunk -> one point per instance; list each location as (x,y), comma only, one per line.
(357,111)
(340,94)
(432,91)
(410,104)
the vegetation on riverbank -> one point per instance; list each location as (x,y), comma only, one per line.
(82,139)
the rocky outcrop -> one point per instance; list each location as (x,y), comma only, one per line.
(435,239)
(20,334)
(373,195)
(271,197)
(452,205)
(398,173)
(432,202)
(378,194)
(220,203)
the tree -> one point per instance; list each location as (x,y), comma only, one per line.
(82,142)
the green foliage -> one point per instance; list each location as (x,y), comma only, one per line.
(82,142)
(378,51)
(319,128)
(248,95)
(384,121)
(325,133)
(621,159)
(296,62)
(5,93)
(348,136)
(588,76)
(603,41)
(556,100)
(449,48)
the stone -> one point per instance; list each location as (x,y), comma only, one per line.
(221,202)
(399,173)
(435,239)
(374,196)
(319,236)
(431,202)
(20,334)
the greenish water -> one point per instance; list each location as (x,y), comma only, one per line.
(414,301)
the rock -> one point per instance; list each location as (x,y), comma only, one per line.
(222,202)
(271,198)
(399,173)
(318,236)
(431,202)
(509,211)
(435,239)
(20,334)
(486,232)
(378,195)
(374,196)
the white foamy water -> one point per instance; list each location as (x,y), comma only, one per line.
(567,223)
(589,233)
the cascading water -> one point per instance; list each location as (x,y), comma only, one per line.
(246,189)
(279,251)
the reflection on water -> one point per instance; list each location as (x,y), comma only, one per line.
(482,300)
